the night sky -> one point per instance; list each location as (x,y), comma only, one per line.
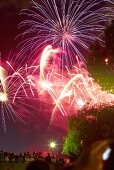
(36,132)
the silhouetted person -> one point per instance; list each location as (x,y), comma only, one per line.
(91,158)
(38,165)
(1,156)
(48,158)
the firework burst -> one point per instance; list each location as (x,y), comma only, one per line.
(57,35)
(67,24)
(72,91)
(15,90)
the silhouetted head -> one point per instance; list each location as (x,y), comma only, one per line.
(38,165)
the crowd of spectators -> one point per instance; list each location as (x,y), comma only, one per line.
(53,160)
(99,156)
(11,157)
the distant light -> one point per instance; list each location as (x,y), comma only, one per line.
(81,142)
(106,60)
(53,144)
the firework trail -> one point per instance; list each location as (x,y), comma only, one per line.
(44,59)
(81,92)
(3,94)
(69,25)
(73,91)
(69,92)
(15,90)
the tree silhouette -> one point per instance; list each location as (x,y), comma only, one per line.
(89,126)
